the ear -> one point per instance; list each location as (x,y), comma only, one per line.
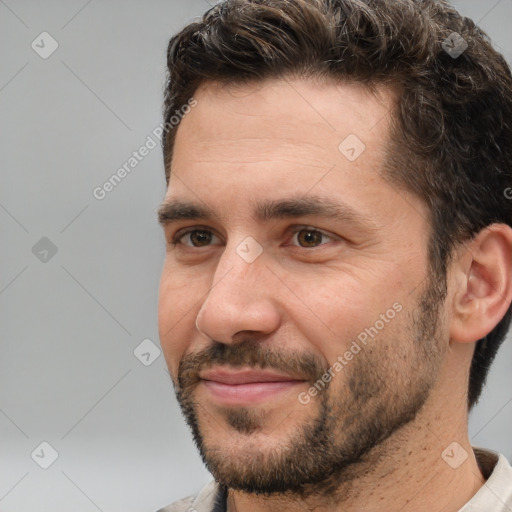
(483,282)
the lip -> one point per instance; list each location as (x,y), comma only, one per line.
(247,376)
(246,387)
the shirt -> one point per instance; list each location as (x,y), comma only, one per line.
(494,496)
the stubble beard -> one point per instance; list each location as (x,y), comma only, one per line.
(345,438)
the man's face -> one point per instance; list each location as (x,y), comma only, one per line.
(296,319)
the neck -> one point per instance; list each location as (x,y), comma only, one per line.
(408,472)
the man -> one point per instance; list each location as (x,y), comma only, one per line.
(338,271)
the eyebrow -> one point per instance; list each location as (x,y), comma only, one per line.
(176,210)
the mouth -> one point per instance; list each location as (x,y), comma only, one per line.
(246,386)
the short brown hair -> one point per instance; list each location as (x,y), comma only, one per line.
(452,122)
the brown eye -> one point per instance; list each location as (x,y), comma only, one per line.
(310,237)
(200,238)
(194,238)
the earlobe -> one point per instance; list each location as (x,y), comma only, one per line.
(484,284)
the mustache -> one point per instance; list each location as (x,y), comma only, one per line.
(250,354)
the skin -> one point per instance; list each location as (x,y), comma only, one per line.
(279,139)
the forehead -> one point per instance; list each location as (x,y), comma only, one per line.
(285,110)
(280,137)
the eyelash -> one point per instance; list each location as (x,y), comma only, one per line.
(181,234)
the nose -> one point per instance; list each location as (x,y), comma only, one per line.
(240,300)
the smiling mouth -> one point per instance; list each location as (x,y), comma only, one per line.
(246,387)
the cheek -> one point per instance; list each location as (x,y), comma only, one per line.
(178,305)
(341,309)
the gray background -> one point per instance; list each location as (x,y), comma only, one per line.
(69,324)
